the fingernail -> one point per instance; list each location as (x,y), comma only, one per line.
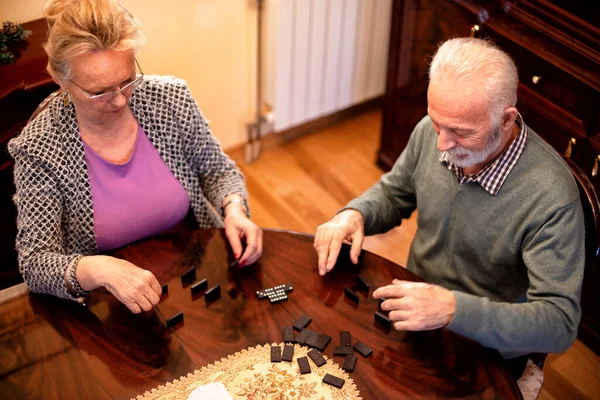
(236,255)
(242,264)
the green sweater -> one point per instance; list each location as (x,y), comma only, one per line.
(515,261)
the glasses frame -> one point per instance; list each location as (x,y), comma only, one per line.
(108,96)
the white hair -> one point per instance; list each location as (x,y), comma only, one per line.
(460,60)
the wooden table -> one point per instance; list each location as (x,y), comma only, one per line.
(52,348)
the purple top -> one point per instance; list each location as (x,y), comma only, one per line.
(134,200)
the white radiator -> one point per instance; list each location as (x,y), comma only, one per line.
(322,56)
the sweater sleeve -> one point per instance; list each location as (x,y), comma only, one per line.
(39,243)
(548,320)
(219,175)
(392,198)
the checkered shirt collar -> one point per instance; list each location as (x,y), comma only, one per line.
(493,176)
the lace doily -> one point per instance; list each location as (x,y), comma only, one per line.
(250,374)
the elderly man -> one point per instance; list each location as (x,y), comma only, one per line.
(500,236)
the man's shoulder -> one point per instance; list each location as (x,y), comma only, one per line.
(423,133)
(542,169)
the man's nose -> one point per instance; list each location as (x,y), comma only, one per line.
(445,140)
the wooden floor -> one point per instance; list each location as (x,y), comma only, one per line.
(299,185)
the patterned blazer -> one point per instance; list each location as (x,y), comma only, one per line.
(54,200)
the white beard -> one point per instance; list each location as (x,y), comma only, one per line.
(464,158)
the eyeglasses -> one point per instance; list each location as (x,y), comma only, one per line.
(108,96)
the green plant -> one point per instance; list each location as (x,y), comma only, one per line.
(10,33)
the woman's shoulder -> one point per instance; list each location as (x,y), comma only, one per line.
(163,83)
(44,135)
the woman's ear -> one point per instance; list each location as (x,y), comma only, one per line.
(62,85)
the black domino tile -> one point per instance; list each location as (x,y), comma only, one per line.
(213,293)
(165,289)
(349,293)
(383,319)
(272,291)
(363,349)
(350,362)
(199,286)
(288,334)
(363,285)
(303,335)
(302,322)
(345,338)
(311,339)
(275,354)
(188,276)
(317,357)
(322,341)
(288,353)
(333,381)
(343,350)
(175,319)
(304,365)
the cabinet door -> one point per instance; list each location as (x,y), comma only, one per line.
(418,27)
(559,107)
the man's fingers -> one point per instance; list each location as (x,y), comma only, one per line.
(134,308)
(394,290)
(357,241)
(402,304)
(403,326)
(321,245)
(334,251)
(155,286)
(144,304)
(152,297)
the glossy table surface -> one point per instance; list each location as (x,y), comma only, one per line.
(53,348)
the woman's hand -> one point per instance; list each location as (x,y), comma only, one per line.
(137,288)
(237,227)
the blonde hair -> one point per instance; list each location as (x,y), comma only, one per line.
(77,27)
(459,60)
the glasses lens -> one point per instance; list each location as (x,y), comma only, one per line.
(102,98)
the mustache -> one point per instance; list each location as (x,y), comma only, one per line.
(459,151)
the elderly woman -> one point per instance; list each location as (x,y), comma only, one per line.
(119,157)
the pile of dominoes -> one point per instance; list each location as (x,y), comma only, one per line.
(318,341)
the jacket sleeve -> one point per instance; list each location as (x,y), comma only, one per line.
(219,175)
(42,260)
(547,322)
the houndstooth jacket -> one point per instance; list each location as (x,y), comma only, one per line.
(54,200)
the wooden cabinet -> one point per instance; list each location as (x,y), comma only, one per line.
(23,86)
(558,57)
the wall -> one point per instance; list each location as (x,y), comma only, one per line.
(209,43)
(320,56)
(324,56)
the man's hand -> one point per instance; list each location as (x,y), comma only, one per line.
(237,227)
(345,226)
(416,306)
(137,288)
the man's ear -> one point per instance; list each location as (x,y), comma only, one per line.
(509,117)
